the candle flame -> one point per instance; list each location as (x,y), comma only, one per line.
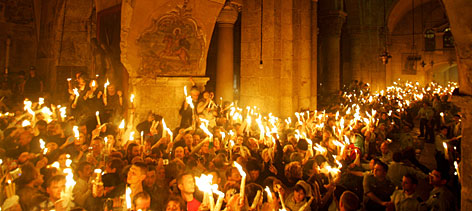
(25,123)
(76,132)
(128,198)
(122,124)
(240,169)
(131,98)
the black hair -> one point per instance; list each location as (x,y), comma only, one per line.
(412,177)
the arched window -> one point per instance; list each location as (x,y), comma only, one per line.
(448,40)
(429,40)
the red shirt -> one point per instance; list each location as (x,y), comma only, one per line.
(193,205)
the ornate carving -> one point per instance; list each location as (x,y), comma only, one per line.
(172,46)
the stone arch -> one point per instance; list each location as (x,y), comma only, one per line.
(399,9)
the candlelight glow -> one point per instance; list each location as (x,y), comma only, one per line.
(25,123)
(240,169)
(128,198)
(122,124)
(76,131)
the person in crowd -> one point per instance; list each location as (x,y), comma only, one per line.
(377,188)
(186,184)
(406,199)
(440,198)
(355,150)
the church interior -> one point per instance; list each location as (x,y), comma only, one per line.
(283,56)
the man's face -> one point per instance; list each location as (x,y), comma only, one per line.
(435,178)
(173,206)
(188,184)
(150,178)
(384,148)
(55,188)
(81,140)
(408,185)
(96,146)
(254,174)
(235,176)
(135,175)
(142,203)
(298,196)
(188,140)
(135,151)
(161,173)
(87,171)
(179,153)
(379,171)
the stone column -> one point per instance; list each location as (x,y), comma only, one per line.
(330,37)
(314,54)
(458,12)
(224,58)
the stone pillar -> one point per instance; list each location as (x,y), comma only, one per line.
(224,58)
(314,54)
(458,12)
(330,37)
(305,54)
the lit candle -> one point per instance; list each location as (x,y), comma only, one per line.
(219,202)
(97,114)
(128,198)
(446,152)
(106,85)
(131,99)
(269,194)
(243,180)
(256,200)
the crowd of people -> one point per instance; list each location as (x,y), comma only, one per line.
(359,153)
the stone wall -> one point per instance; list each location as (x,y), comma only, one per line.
(66,27)
(161,41)
(282,84)
(17,26)
(401,42)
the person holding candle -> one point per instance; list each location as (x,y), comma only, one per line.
(377,188)
(113,104)
(55,186)
(299,196)
(81,189)
(29,187)
(142,201)
(441,152)
(186,185)
(175,204)
(186,112)
(440,198)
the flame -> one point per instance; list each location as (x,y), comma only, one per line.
(131,98)
(204,182)
(76,132)
(76,92)
(131,136)
(269,194)
(128,198)
(94,83)
(42,144)
(205,129)
(41,101)
(240,169)
(122,124)
(106,84)
(25,123)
